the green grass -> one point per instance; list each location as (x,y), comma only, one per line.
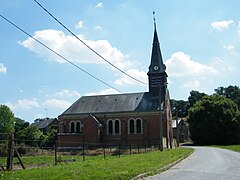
(125,167)
(231,147)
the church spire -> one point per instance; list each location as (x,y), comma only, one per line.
(156,59)
(157,70)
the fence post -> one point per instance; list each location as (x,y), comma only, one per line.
(119,150)
(83,153)
(19,158)
(104,150)
(130,148)
(10,152)
(55,152)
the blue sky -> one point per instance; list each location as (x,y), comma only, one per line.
(199,42)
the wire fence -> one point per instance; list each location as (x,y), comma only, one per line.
(35,154)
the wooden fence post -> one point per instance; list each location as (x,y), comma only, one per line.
(10,152)
(19,157)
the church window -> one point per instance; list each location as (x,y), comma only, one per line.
(110,127)
(131,126)
(114,126)
(78,128)
(139,126)
(135,126)
(117,126)
(72,127)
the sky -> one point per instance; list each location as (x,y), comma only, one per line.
(199,40)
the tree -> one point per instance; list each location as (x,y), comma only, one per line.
(20,124)
(214,120)
(179,108)
(194,97)
(7,121)
(30,135)
(231,92)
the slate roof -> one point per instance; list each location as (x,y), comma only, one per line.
(132,102)
(43,123)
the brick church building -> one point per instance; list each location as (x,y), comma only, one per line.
(125,119)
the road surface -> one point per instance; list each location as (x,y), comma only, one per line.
(206,163)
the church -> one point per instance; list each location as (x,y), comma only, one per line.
(123,119)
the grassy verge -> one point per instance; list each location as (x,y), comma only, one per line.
(125,167)
(230,147)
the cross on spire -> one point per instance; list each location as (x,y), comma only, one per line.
(154,20)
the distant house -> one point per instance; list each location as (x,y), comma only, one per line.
(131,118)
(46,123)
(180,127)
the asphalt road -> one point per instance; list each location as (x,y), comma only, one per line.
(206,163)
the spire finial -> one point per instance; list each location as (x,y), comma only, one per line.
(154,20)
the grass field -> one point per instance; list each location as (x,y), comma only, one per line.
(231,147)
(125,167)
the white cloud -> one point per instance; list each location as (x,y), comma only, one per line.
(239,29)
(229,47)
(98,27)
(56,103)
(191,85)
(181,65)
(23,104)
(3,69)
(222,66)
(125,80)
(103,92)
(220,25)
(72,49)
(99,5)
(79,25)
(67,93)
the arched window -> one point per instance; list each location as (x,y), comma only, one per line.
(110,127)
(78,128)
(117,127)
(72,127)
(131,126)
(139,126)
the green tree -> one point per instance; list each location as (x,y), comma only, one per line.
(194,97)
(7,121)
(214,120)
(30,135)
(231,92)
(179,108)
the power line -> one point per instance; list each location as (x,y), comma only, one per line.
(59,54)
(88,45)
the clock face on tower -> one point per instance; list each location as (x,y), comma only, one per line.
(155,68)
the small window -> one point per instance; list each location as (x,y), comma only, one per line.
(110,127)
(131,126)
(72,127)
(139,126)
(78,129)
(117,127)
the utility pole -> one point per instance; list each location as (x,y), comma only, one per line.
(160,121)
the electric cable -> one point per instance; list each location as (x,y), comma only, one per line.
(59,54)
(88,45)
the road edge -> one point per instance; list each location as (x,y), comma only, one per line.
(140,176)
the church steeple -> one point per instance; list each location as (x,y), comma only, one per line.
(157,70)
